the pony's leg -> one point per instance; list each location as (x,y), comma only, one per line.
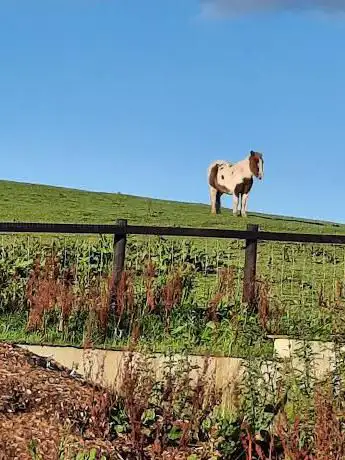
(218,195)
(244,204)
(213,197)
(235,199)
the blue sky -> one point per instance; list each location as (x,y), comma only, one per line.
(139,96)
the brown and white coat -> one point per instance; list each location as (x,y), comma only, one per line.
(234,179)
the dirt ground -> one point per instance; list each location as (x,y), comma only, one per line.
(41,402)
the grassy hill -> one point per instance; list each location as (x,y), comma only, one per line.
(302,286)
(42,203)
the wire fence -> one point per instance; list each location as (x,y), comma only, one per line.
(173,293)
(306,283)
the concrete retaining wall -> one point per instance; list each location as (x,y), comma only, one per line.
(105,366)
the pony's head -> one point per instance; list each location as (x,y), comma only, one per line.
(256,164)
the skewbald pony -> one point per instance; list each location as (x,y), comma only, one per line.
(234,179)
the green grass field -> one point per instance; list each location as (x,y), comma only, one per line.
(303,286)
(41,203)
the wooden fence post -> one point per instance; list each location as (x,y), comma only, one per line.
(249,280)
(118,259)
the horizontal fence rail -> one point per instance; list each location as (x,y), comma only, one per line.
(121,229)
(124,229)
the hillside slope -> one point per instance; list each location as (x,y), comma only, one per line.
(42,203)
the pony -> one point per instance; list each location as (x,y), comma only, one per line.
(234,179)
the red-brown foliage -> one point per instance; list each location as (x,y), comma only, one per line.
(329,434)
(124,295)
(224,291)
(50,286)
(290,437)
(262,302)
(149,276)
(47,287)
(97,299)
(171,293)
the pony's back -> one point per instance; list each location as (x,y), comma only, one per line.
(217,163)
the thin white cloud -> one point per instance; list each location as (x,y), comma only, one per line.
(230,7)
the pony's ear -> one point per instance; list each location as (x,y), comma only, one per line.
(252,152)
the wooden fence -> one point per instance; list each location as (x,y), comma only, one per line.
(121,229)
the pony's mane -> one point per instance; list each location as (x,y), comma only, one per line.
(256,154)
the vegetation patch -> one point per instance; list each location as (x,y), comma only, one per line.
(279,411)
(178,295)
